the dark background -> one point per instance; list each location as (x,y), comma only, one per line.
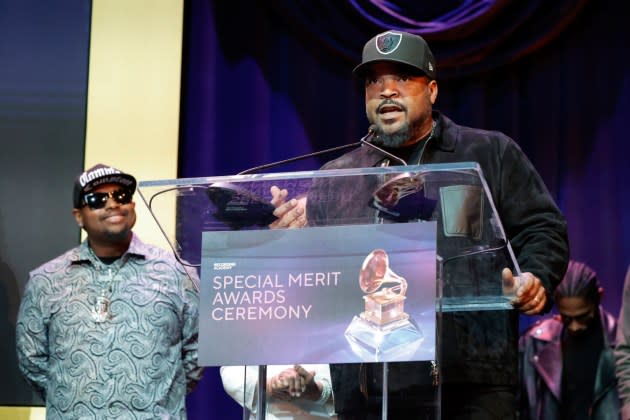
(43,94)
(263,81)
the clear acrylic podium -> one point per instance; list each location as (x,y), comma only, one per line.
(453,200)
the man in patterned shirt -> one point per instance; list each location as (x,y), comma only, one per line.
(109,329)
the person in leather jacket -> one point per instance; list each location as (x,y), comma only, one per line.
(566,362)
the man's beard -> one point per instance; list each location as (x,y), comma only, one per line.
(408,131)
(393,140)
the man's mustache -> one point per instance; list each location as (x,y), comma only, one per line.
(389,102)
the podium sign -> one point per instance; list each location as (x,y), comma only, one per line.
(263,289)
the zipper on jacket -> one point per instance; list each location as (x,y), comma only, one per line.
(424,146)
(377,219)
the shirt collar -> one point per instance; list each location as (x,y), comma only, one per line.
(136,249)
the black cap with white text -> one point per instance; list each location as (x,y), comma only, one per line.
(100,174)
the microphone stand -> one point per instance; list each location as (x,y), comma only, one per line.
(293,159)
(363,140)
(233,204)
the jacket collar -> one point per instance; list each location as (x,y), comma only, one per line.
(447,133)
(548,361)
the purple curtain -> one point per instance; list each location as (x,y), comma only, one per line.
(264,81)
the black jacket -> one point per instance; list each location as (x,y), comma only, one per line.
(478,347)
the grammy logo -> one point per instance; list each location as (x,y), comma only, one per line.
(383,305)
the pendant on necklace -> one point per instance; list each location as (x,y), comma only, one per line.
(100,312)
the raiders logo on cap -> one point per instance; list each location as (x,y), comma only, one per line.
(388,42)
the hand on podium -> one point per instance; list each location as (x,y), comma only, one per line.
(291,213)
(531,297)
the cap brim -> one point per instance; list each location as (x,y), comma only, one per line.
(362,68)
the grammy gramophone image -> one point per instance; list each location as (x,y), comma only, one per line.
(383,331)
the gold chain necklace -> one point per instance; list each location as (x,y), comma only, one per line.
(101,311)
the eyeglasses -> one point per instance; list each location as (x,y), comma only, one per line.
(97,200)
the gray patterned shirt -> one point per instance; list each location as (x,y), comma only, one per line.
(136,364)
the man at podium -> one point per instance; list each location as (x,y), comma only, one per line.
(480,348)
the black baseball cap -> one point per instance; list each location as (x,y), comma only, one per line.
(398,47)
(100,174)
